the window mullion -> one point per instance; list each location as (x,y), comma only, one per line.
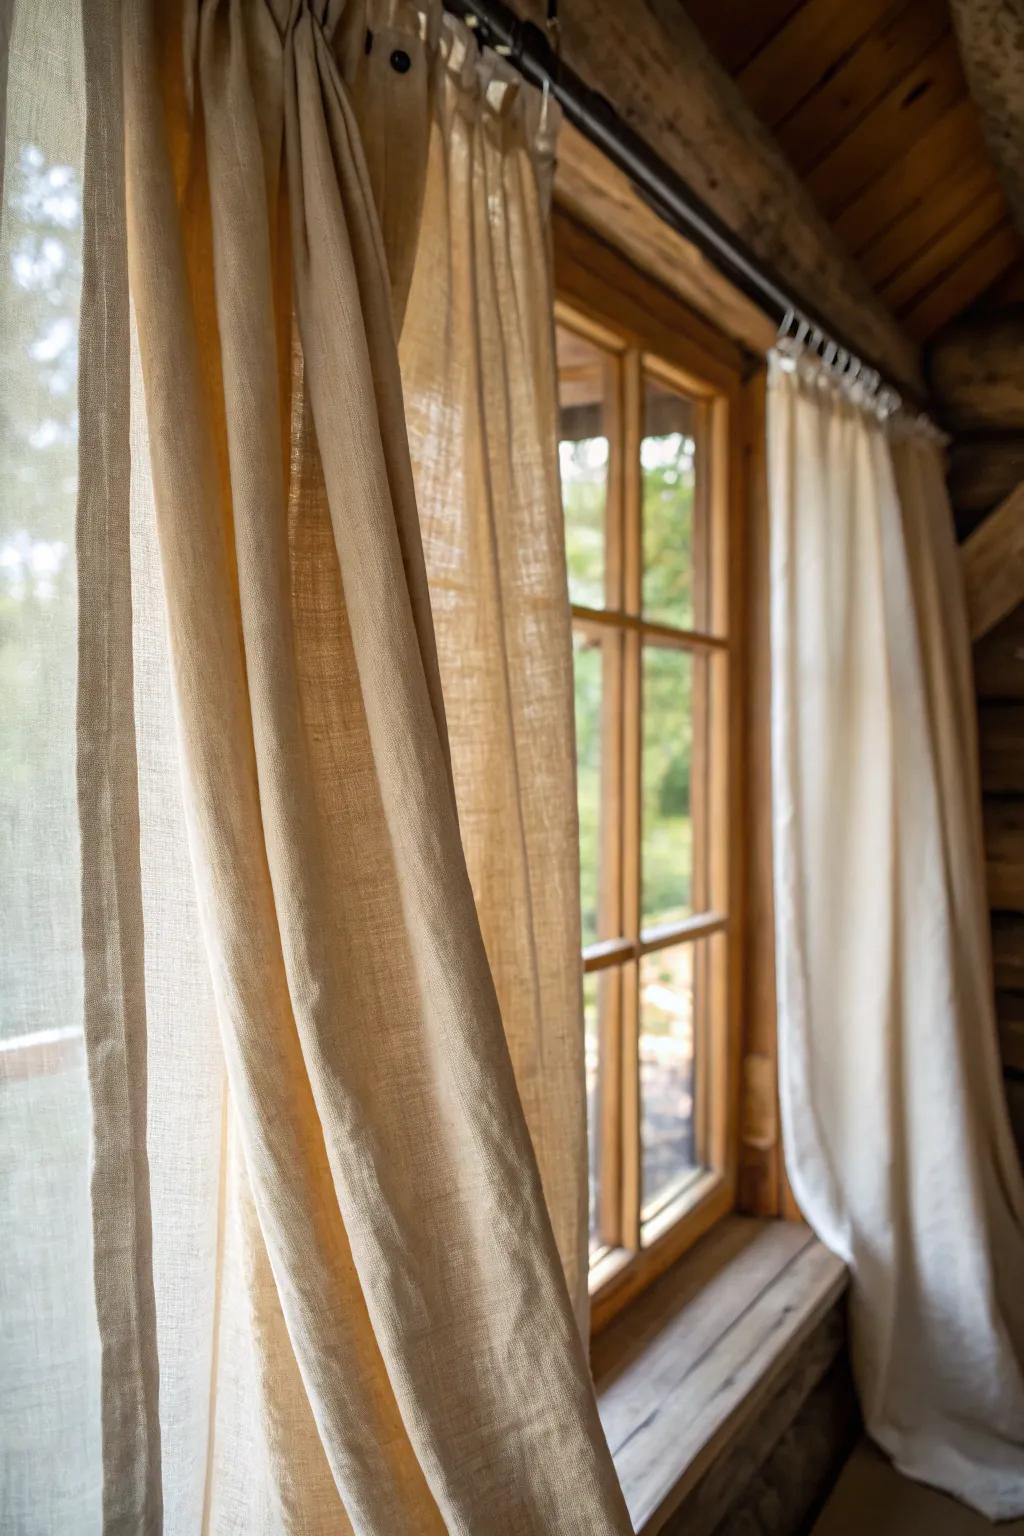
(632,645)
(609,1205)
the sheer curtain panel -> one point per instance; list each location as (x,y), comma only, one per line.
(897,1140)
(305,1277)
(479,373)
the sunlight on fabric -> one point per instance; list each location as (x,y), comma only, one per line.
(49,1347)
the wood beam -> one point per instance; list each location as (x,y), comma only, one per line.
(1008,951)
(1004,854)
(993,565)
(650,61)
(598,195)
(979,268)
(983,471)
(991,38)
(999,660)
(1010,1014)
(1001,747)
(1015,1104)
(976,371)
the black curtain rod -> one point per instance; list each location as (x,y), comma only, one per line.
(528,48)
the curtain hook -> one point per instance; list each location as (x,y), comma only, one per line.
(553,28)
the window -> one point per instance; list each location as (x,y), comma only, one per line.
(645,463)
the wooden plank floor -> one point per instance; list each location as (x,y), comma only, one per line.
(871,1496)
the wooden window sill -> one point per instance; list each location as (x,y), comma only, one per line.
(681,1373)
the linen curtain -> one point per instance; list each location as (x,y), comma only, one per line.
(480,383)
(896,1135)
(320,1288)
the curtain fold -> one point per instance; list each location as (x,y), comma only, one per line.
(351,1311)
(480,382)
(897,1141)
(113,944)
(392,1177)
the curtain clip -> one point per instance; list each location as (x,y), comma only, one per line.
(553,28)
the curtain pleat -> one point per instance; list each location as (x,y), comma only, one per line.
(896,1134)
(479,372)
(362,1320)
(114,1002)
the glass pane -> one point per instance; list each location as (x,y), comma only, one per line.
(669,991)
(592,1048)
(667,784)
(583,460)
(674,560)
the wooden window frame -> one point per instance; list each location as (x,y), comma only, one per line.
(650,333)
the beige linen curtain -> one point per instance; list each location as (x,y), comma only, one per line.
(479,372)
(328,1291)
(897,1141)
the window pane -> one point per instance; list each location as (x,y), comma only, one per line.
(667,784)
(583,460)
(597,662)
(670,988)
(674,559)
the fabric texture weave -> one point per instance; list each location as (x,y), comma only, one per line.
(330,1250)
(896,1134)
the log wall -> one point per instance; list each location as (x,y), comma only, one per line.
(976,370)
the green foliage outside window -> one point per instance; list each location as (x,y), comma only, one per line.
(668,504)
(40,282)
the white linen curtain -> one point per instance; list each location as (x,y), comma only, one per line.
(325,1289)
(896,1135)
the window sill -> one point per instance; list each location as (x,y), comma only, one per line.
(681,1374)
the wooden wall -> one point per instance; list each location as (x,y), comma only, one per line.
(999,678)
(976,370)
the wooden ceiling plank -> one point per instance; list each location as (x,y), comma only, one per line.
(653,66)
(907,180)
(847,89)
(790,65)
(901,116)
(945,253)
(925,219)
(982,266)
(735,30)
